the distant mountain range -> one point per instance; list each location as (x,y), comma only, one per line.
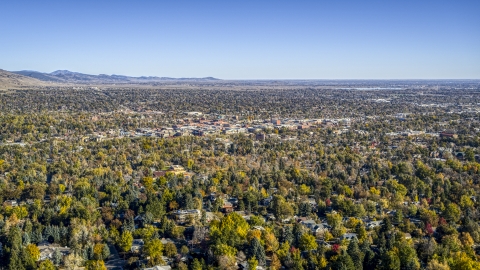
(9,80)
(65,76)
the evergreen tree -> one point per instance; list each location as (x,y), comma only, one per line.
(26,239)
(344,262)
(57,257)
(257,250)
(390,242)
(305,209)
(196,265)
(90,252)
(105,252)
(390,261)
(287,235)
(28,260)
(354,251)
(386,225)
(365,246)
(369,260)
(381,241)
(297,234)
(15,261)
(14,238)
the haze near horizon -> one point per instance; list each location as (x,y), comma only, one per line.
(245,40)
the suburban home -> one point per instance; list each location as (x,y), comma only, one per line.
(157,174)
(182,216)
(177,169)
(373,224)
(310,223)
(137,245)
(448,134)
(227,207)
(47,250)
(348,236)
(159,267)
(10,203)
(319,229)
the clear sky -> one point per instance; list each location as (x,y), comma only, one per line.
(232,39)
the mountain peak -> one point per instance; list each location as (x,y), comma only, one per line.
(62,72)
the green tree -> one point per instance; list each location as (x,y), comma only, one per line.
(308,242)
(436,265)
(461,261)
(14,246)
(390,260)
(344,262)
(408,256)
(196,264)
(257,251)
(126,241)
(170,250)
(154,249)
(184,250)
(231,230)
(156,207)
(46,265)
(224,250)
(95,265)
(252,263)
(57,257)
(281,208)
(105,252)
(452,212)
(27,258)
(354,251)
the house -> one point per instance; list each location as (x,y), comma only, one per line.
(286,220)
(10,203)
(244,265)
(270,216)
(166,241)
(260,136)
(201,178)
(233,201)
(210,216)
(266,201)
(259,228)
(181,216)
(176,169)
(319,229)
(373,224)
(308,223)
(348,236)
(47,250)
(198,132)
(157,174)
(448,134)
(323,243)
(137,245)
(312,202)
(227,207)
(159,267)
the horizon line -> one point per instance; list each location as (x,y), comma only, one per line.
(266,79)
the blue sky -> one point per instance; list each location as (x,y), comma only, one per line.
(245,39)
